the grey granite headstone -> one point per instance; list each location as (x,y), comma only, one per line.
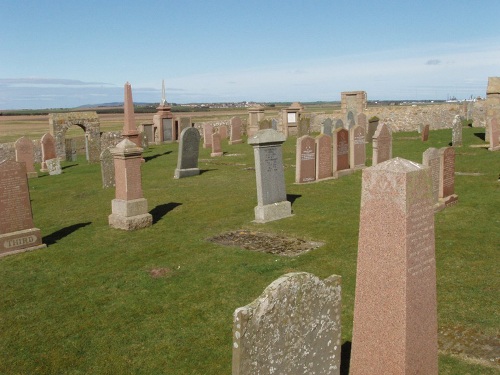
(327,127)
(189,149)
(304,126)
(456,140)
(107,169)
(339,124)
(292,328)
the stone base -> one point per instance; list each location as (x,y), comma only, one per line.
(440,206)
(236,142)
(180,173)
(342,173)
(271,212)
(32,174)
(130,215)
(496,148)
(21,241)
(215,154)
(449,200)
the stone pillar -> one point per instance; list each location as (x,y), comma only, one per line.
(291,118)
(255,114)
(129,208)
(129,128)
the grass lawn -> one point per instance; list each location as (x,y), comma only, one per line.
(160,300)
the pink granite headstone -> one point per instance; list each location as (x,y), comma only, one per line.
(48,150)
(216,145)
(207,135)
(494,134)
(17,231)
(323,157)
(25,154)
(340,150)
(395,307)
(431,159)
(357,145)
(235,136)
(425,133)
(382,144)
(305,162)
(447,176)
(362,121)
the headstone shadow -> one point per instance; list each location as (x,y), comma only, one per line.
(148,158)
(51,239)
(207,170)
(292,197)
(481,136)
(69,166)
(161,210)
(345,357)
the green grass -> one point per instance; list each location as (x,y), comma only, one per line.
(88,304)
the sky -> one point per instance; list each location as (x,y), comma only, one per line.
(66,53)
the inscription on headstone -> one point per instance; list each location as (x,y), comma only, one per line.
(431,159)
(357,152)
(340,150)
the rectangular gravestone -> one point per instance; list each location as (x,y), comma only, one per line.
(107,169)
(357,143)
(235,127)
(17,231)
(494,134)
(265,124)
(48,150)
(53,166)
(25,154)
(456,135)
(293,328)
(216,145)
(382,144)
(327,127)
(189,149)
(340,150)
(431,159)
(223,132)
(167,129)
(395,307)
(208,129)
(372,128)
(447,176)
(303,126)
(70,146)
(323,157)
(185,122)
(425,133)
(305,161)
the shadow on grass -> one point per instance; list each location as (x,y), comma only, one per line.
(345,358)
(481,136)
(148,158)
(161,210)
(207,170)
(51,239)
(292,197)
(69,166)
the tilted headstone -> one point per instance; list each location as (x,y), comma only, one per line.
(189,149)
(431,159)
(48,150)
(395,307)
(305,161)
(425,133)
(270,176)
(303,126)
(235,136)
(17,231)
(382,144)
(456,134)
(357,143)
(54,166)
(208,129)
(107,169)
(327,127)
(25,154)
(340,157)
(216,145)
(223,132)
(447,176)
(70,146)
(494,134)
(324,157)
(294,327)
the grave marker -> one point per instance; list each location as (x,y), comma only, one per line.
(382,144)
(48,144)
(431,159)
(425,133)
(216,145)
(327,127)
(25,154)
(189,149)
(456,134)
(223,131)
(235,136)
(494,134)
(324,157)
(54,166)
(340,158)
(107,168)
(357,152)
(70,146)
(305,162)
(207,135)
(447,176)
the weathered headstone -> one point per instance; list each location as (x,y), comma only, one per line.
(340,157)
(339,124)
(425,133)
(456,134)
(70,146)
(305,161)
(189,149)
(431,159)
(327,127)
(447,176)
(357,143)
(494,134)
(129,209)
(223,132)
(216,145)
(350,120)
(382,144)
(303,126)
(207,135)
(265,124)
(235,136)
(17,231)
(292,328)
(107,169)
(362,121)
(270,176)
(48,150)
(395,313)
(53,166)
(25,154)
(324,167)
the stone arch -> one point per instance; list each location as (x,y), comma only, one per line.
(59,123)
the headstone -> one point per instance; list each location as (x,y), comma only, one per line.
(129,209)
(216,145)
(457,132)
(185,122)
(274,124)
(340,157)
(357,143)
(48,150)
(304,126)
(447,176)
(144,140)
(339,124)
(189,149)
(431,159)
(265,124)
(17,231)
(223,132)
(54,166)
(305,162)
(494,134)
(372,128)
(362,121)
(235,136)
(425,133)
(207,135)
(382,144)
(350,120)
(323,157)
(70,146)
(270,176)
(292,328)
(395,313)
(25,154)
(107,169)
(327,127)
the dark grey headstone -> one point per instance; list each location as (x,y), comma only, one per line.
(189,148)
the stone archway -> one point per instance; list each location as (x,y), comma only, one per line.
(59,123)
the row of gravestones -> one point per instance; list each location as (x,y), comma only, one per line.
(25,152)
(235,132)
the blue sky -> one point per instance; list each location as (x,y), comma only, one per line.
(69,53)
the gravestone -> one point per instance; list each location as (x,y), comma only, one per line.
(235,136)
(447,176)
(270,176)
(382,144)
(372,128)
(362,121)
(425,133)
(431,159)
(144,140)
(129,209)
(293,327)
(17,231)
(54,166)
(25,154)
(207,135)
(265,124)
(395,307)
(340,157)
(327,127)
(494,134)
(350,120)
(304,126)
(357,143)
(107,169)
(189,149)
(456,134)
(70,146)
(274,124)
(305,159)
(48,150)
(324,157)
(339,124)
(223,132)
(216,145)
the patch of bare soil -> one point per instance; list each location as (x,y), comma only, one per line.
(265,242)
(156,273)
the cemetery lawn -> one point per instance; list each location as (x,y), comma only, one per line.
(160,300)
